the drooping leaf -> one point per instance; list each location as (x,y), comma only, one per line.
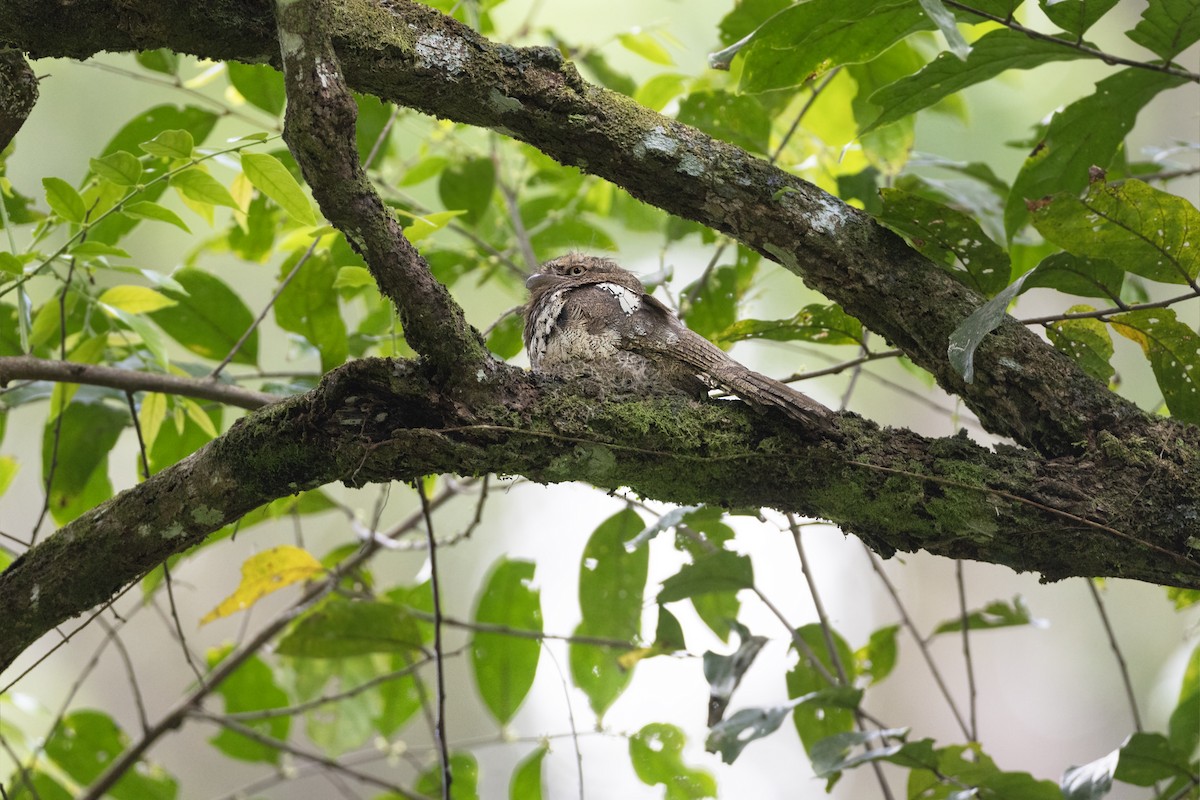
(209,319)
(952,239)
(86,742)
(261,85)
(84,433)
(970,332)
(160,60)
(252,687)
(808,39)
(991,55)
(948,25)
(273,179)
(505,664)
(1144,230)
(1086,341)
(724,673)
(997,614)
(720,571)
(264,573)
(1090,781)
(464,778)
(1167,27)
(656,752)
(1174,352)
(468,186)
(342,628)
(612,582)
(527,777)
(730,736)
(1085,134)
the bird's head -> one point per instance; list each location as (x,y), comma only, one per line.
(577,269)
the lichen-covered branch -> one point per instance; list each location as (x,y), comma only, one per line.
(18,94)
(14,368)
(1126,510)
(409,53)
(319,129)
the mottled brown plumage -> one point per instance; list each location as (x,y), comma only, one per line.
(589,317)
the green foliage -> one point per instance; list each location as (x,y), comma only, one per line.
(839,92)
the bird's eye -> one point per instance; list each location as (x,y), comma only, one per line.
(577,270)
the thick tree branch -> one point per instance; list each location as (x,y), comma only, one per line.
(319,129)
(18,93)
(14,368)
(411,54)
(1125,510)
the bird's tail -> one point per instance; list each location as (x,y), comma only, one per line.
(756,389)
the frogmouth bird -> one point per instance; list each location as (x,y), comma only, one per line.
(589,317)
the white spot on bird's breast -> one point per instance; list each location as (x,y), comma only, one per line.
(630,300)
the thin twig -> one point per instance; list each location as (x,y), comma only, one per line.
(966,645)
(562,679)
(1116,648)
(443,746)
(31,368)
(138,701)
(922,645)
(233,351)
(1108,312)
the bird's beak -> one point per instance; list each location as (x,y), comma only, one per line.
(538,279)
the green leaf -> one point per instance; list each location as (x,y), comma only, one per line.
(86,742)
(841,751)
(424,169)
(344,628)
(507,337)
(160,60)
(970,332)
(821,324)
(720,571)
(64,200)
(308,306)
(1174,352)
(735,118)
(1168,27)
(809,39)
(1146,231)
(1086,341)
(468,187)
(1147,758)
(1184,724)
(147,210)
(948,25)
(527,777)
(148,124)
(272,178)
(198,186)
(261,85)
(817,721)
(353,278)
(87,429)
(43,787)
(655,93)
(172,144)
(645,45)
(252,687)
(464,778)
(997,614)
(947,74)
(877,658)
(656,752)
(1078,275)
(730,736)
(505,664)
(1086,133)
(709,305)
(724,673)
(1090,781)
(91,250)
(8,468)
(209,319)
(952,239)
(612,583)
(121,168)
(1075,16)
(134,299)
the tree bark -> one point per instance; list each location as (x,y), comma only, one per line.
(1103,490)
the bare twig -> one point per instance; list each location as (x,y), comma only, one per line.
(966,645)
(439,731)
(1130,695)
(31,368)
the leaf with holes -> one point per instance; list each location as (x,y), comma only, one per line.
(1174,352)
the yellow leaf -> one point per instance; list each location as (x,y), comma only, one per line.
(196,414)
(265,573)
(135,299)
(151,416)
